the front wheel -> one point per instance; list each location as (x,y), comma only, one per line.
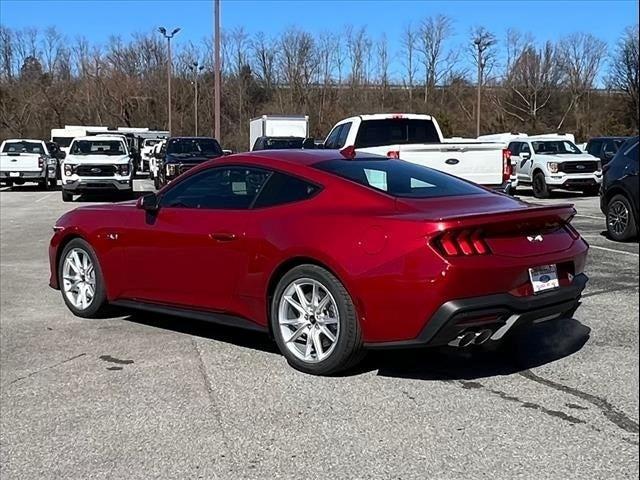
(80,280)
(540,188)
(314,322)
(53,183)
(621,224)
(67,196)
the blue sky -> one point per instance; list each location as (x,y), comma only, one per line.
(98,19)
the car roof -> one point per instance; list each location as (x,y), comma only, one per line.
(191,138)
(15,140)
(100,137)
(613,137)
(294,157)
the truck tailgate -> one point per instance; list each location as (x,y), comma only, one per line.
(477,162)
(20,162)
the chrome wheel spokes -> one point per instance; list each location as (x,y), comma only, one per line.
(309,320)
(78,278)
(618,217)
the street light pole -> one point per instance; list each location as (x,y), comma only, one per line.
(479,88)
(196,70)
(216,70)
(168,36)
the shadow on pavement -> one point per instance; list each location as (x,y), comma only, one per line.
(530,347)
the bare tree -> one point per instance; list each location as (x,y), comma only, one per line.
(624,71)
(434,31)
(382,51)
(408,42)
(580,56)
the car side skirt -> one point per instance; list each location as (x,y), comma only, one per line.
(193,314)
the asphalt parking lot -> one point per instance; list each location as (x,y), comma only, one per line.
(145,396)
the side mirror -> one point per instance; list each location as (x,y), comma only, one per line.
(525,155)
(608,155)
(148,202)
(62,155)
(309,143)
(227,152)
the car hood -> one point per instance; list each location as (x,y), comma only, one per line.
(96,159)
(568,158)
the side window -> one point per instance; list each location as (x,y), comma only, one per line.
(342,136)
(632,153)
(594,148)
(232,188)
(281,189)
(514,148)
(524,148)
(610,147)
(332,140)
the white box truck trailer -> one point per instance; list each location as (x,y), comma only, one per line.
(278,126)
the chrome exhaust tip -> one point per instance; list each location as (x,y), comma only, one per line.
(463,340)
(482,336)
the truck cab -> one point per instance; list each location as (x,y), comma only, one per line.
(550,162)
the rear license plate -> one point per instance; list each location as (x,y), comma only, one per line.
(544,278)
(14,174)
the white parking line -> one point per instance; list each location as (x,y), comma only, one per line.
(43,198)
(590,216)
(613,250)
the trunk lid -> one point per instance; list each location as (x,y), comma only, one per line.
(20,162)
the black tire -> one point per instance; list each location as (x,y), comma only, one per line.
(98,306)
(540,188)
(8,184)
(157,182)
(53,183)
(67,196)
(627,229)
(348,349)
(44,184)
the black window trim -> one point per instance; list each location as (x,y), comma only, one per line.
(269,170)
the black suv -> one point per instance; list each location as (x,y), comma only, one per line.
(182,153)
(278,143)
(619,193)
(605,148)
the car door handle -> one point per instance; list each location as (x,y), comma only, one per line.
(222,236)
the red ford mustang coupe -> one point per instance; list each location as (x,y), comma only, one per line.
(330,255)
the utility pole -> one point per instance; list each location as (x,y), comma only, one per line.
(194,68)
(479,88)
(168,36)
(483,41)
(216,70)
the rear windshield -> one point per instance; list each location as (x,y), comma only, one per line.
(98,147)
(23,147)
(194,146)
(151,142)
(399,178)
(396,131)
(283,143)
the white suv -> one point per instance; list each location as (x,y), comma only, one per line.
(547,163)
(97,163)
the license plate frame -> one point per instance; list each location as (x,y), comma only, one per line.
(14,174)
(544,278)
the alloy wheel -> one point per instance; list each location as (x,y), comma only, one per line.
(79,278)
(309,320)
(618,217)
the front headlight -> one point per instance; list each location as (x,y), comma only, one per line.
(123,169)
(553,167)
(69,169)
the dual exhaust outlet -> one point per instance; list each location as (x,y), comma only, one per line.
(467,338)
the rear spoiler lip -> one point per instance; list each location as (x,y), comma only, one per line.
(565,210)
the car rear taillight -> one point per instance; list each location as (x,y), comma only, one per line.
(462,243)
(393,154)
(348,152)
(41,162)
(507,168)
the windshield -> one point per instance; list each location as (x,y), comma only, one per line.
(283,143)
(23,147)
(194,146)
(555,147)
(98,147)
(399,178)
(150,143)
(62,141)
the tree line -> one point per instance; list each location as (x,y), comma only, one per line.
(578,84)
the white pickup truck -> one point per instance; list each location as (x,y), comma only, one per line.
(418,139)
(97,163)
(25,160)
(547,162)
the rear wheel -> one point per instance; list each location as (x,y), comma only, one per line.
(621,224)
(44,184)
(53,183)
(314,322)
(67,196)
(540,188)
(80,279)
(157,183)
(591,191)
